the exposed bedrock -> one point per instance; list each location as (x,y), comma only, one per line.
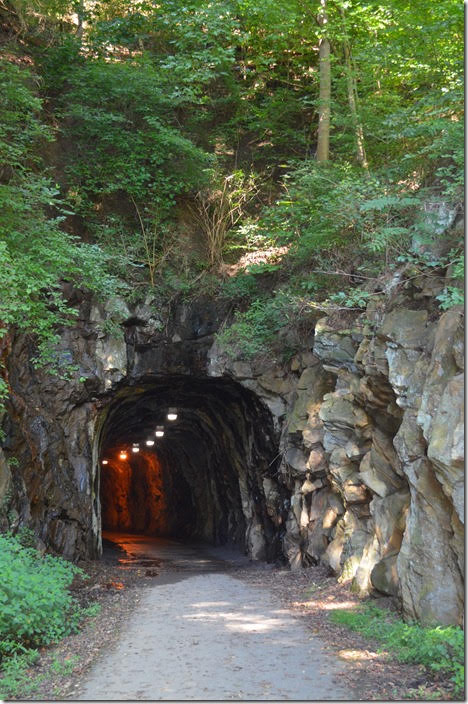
(350,454)
(372,453)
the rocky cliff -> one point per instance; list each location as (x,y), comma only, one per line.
(351,454)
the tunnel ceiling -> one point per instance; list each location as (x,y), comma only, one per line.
(136,411)
(213,458)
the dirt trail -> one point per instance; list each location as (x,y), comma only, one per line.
(200,633)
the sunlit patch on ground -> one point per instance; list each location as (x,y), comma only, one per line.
(327,605)
(353,654)
(272,255)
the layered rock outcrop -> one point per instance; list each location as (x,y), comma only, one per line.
(351,454)
(372,454)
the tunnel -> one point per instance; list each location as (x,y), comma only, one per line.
(199,476)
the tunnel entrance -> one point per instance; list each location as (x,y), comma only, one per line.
(204,478)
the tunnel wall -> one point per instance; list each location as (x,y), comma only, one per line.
(212,460)
(133,496)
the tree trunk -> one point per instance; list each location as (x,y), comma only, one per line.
(323,139)
(352,101)
(80,10)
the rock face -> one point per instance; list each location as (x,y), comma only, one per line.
(393,439)
(372,454)
(351,455)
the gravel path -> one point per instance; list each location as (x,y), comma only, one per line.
(210,636)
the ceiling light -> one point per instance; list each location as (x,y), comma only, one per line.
(159,431)
(150,443)
(172,414)
(123,455)
(105,461)
(135,447)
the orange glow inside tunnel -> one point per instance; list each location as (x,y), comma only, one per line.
(133,494)
(188,483)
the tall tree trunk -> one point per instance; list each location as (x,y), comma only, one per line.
(353,101)
(323,138)
(80,10)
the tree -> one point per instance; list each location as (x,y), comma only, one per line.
(323,137)
(353,96)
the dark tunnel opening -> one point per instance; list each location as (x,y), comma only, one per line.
(203,480)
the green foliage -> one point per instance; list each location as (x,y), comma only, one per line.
(451,296)
(356,298)
(190,44)
(255,332)
(454,294)
(252,333)
(158,106)
(16,680)
(64,667)
(37,255)
(439,648)
(141,161)
(25,536)
(36,607)
(20,127)
(241,286)
(333,205)
(118,112)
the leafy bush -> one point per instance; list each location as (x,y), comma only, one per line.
(36,607)
(242,286)
(439,648)
(256,331)
(328,207)
(454,295)
(356,298)
(118,113)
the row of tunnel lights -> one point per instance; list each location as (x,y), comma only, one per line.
(123,454)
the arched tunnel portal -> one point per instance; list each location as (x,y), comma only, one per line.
(204,479)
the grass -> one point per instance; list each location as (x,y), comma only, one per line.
(438,648)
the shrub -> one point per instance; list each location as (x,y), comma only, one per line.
(258,331)
(36,606)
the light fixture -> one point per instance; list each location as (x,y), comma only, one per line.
(159,431)
(172,414)
(123,455)
(135,447)
(105,461)
(150,443)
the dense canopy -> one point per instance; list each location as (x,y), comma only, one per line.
(279,153)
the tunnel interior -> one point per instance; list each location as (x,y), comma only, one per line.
(203,479)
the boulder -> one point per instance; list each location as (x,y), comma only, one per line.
(384,575)
(407,370)
(431,583)
(296,459)
(380,468)
(335,348)
(407,328)
(443,366)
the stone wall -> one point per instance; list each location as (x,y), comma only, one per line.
(367,434)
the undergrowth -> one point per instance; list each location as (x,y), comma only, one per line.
(439,648)
(36,609)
